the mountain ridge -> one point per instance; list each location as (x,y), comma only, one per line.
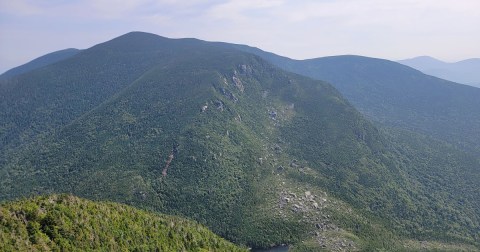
(41,61)
(464,71)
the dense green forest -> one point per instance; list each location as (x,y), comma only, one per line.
(396,95)
(68,223)
(260,156)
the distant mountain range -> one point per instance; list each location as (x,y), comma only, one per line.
(465,71)
(380,157)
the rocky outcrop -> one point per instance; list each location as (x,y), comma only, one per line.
(238,83)
(219,105)
(228,94)
(305,203)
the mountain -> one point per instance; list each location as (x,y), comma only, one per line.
(397,95)
(402,97)
(259,155)
(465,71)
(68,223)
(40,62)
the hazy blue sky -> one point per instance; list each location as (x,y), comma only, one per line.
(391,29)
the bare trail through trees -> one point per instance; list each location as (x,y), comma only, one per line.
(170,158)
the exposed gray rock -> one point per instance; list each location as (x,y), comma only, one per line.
(273,114)
(238,118)
(246,69)
(219,104)
(264,94)
(294,164)
(228,94)
(238,83)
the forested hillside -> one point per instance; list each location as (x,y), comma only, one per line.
(68,223)
(396,95)
(261,156)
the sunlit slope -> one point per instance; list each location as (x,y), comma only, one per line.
(68,223)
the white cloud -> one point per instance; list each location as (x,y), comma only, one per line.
(19,7)
(240,10)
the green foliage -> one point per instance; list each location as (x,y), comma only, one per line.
(118,150)
(397,95)
(424,173)
(68,223)
(242,133)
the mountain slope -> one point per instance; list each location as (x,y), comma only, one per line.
(68,223)
(259,155)
(127,139)
(45,99)
(40,62)
(401,97)
(396,95)
(465,71)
